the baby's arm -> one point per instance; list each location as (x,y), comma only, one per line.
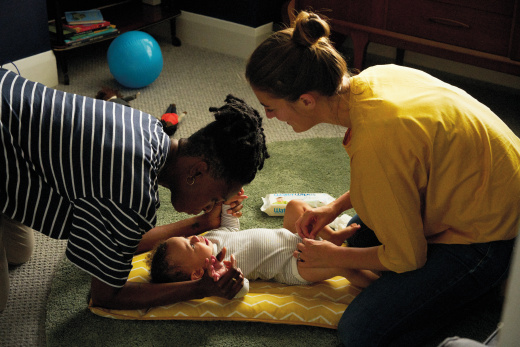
(228,220)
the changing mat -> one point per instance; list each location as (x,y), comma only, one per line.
(320,304)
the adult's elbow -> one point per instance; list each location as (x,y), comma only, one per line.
(101,294)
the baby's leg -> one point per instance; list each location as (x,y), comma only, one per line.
(293,211)
(358,278)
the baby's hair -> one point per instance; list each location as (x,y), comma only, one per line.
(160,270)
(233,145)
(296,60)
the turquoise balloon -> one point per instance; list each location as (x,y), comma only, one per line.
(135,59)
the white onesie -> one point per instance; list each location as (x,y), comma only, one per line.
(264,254)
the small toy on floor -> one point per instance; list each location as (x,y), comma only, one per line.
(114,95)
(170,119)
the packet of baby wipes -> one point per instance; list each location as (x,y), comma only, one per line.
(275,204)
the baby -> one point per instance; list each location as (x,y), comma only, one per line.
(265,254)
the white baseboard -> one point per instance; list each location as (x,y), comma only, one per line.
(240,40)
(220,35)
(40,68)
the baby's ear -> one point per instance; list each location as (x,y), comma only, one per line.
(197,274)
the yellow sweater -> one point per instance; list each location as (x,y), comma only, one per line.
(429,164)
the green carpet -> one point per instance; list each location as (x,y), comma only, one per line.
(312,166)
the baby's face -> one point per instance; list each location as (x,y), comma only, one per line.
(189,252)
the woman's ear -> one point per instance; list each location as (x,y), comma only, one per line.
(198,168)
(308,100)
(197,274)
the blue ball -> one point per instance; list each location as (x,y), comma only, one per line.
(135,59)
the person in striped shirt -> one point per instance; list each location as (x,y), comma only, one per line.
(88,171)
(261,254)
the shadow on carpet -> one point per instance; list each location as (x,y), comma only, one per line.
(303,166)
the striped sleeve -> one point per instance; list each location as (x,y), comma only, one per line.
(103,239)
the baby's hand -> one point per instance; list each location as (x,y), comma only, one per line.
(231,263)
(217,268)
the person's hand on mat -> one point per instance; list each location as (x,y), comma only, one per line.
(235,203)
(312,221)
(315,253)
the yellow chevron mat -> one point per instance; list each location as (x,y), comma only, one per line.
(320,304)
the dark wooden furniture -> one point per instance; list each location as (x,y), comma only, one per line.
(127,15)
(476,32)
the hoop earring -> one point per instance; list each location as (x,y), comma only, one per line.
(190,180)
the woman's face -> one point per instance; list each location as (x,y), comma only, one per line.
(202,195)
(288,112)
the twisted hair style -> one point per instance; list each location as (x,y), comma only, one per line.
(296,60)
(160,270)
(233,145)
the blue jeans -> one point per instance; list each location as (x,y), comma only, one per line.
(406,309)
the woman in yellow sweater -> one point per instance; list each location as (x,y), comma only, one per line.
(435,180)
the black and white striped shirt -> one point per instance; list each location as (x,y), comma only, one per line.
(81,169)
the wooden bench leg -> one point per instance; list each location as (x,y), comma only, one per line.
(62,63)
(173,31)
(360,42)
(399,56)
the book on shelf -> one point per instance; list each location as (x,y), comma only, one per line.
(67,33)
(94,36)
(83,17)
(82,28)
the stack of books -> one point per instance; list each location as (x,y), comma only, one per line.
(85,26)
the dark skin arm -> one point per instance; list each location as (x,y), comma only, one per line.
(190,226)
(144,295)
(186,227)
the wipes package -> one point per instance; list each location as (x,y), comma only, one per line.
(275,204)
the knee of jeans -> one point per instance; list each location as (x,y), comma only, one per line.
(351,335)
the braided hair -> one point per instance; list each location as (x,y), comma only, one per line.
(233,145)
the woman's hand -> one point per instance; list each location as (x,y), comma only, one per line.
(315,253)
(312,221)
(213,217)
(235,203)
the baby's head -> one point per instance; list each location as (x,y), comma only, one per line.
(180,259)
